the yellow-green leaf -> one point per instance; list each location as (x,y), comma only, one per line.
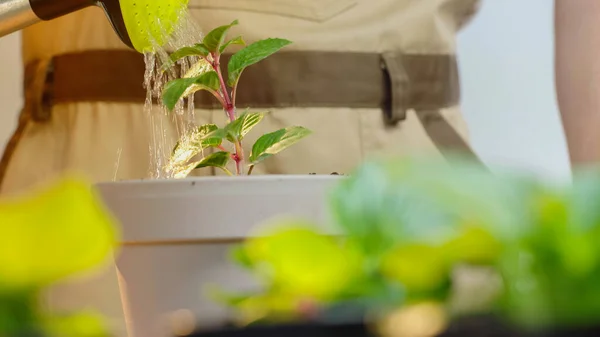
(52,234)
(237,129)
(79,325)
(301,261)
(418,267)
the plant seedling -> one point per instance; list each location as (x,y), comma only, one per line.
(207,75)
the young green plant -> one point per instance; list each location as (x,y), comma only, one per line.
(406,225)
(208,75)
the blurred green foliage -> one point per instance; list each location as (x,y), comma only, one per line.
(46,237)
(406,225)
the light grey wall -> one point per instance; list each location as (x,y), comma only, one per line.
(506,57)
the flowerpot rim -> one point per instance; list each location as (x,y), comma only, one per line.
(200,208)
(225,179)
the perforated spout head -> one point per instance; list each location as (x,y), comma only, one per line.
(144,24)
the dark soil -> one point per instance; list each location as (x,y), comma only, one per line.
(477,326)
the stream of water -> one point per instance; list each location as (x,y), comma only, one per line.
(167,127)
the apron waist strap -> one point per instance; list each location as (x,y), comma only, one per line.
(394,82)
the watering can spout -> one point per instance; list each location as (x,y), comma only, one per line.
(140,24)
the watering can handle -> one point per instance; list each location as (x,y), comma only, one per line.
(52,9)
(18,14)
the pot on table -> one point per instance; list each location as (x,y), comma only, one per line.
(177,235)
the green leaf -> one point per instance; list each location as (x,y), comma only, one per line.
(236,40)
(196,50)
(209,136)
(50,242)
(280,253)
(176,89)
(252,54)
(275,142)
(226,298)
(214,40)
(217,159)
(215,136)
(241,258)
(237,129)
(78,325)
(427,201)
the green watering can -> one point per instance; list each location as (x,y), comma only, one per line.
(141,24)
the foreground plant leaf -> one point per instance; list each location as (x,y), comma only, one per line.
(19,313)
(420,268)
(78,325)
(428,201)
(215,38)
(52,234)
(177,89)
(473,245)
(275,142)
(252,54)
(282,257)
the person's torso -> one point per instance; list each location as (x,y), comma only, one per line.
(411,26)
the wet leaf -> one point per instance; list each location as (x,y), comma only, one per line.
(179,88)
(199,68)
(196,50)
(191,145)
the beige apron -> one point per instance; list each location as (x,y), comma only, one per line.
(109,140)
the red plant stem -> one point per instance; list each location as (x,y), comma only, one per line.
(229,108)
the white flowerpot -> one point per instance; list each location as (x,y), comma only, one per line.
(177,235)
